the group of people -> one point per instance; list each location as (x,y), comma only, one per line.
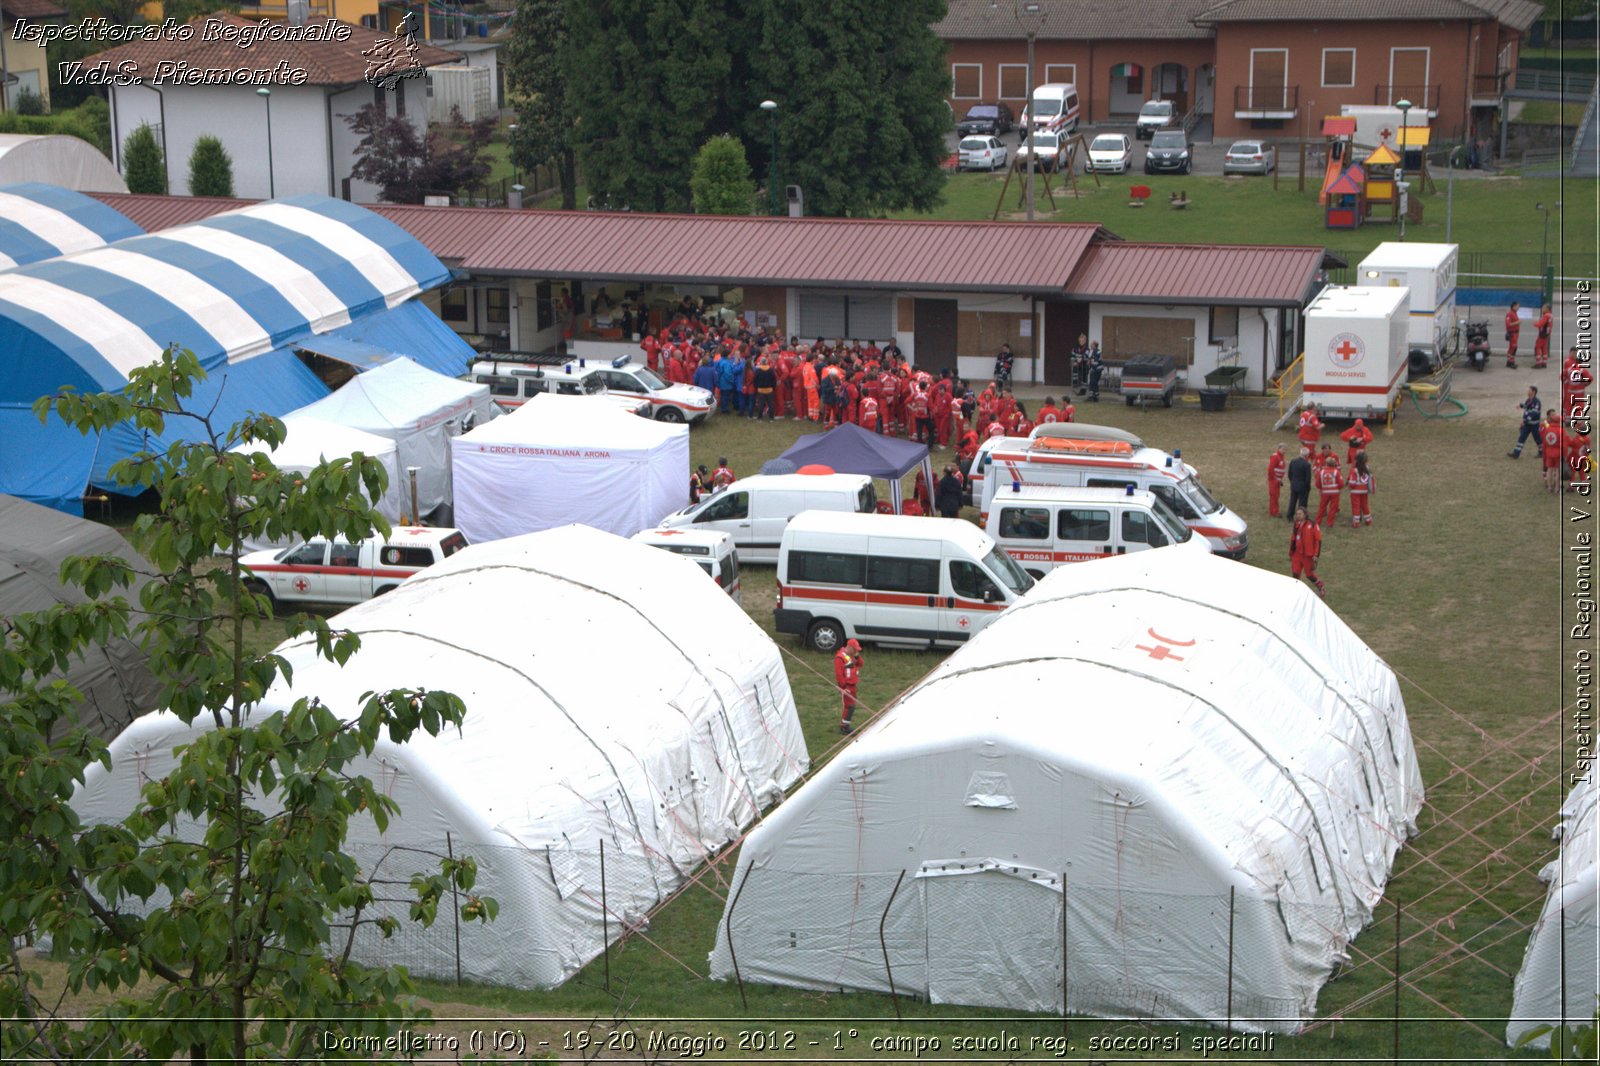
(1541,339)
(1317,465)
(1562,433)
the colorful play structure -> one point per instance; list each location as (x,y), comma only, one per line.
(1354,192)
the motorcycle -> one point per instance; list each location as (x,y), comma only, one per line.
(1476,352)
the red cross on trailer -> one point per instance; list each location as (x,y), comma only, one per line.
(1346,350)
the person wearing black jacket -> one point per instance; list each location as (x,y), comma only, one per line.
(1299,481)
(765,381)
(947,497)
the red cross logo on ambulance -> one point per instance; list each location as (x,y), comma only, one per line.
(1346,350)
(301,584)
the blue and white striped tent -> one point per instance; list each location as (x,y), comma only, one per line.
(39,221)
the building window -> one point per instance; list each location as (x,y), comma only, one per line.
(1338,68)
(1060,73)
(497,303)
(400,98)
(966,81)
(453,305)
(1224,325)
(379,104)
(1408,77)
(1269,79)
(1013,81)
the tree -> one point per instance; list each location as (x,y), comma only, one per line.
(210,168)
(646,91)
(407,166)
(721,182)
(533,73)
(861,109)
(222,909)
(143,167)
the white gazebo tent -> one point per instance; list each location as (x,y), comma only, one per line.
(417,408)
(1143,754)
(1563,953)
(57,160)
(553,461)
(593,716)
(310,441)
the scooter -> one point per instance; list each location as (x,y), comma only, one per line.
(1477,349)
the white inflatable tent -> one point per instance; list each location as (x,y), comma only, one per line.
(310,441)
(1568,927)
(592,715)
(419,410)
(551,462)
(1153,742)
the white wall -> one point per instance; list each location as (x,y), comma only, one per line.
(346,103)
(1257,338)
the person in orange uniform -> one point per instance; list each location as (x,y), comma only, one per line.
(1513,328)
(1305,547)
(1541,338)
(847,674)
(1357,437)
(1277,463)
(808,385)
(1310,428)
(1553,448)
(1359,482)
(1329,485)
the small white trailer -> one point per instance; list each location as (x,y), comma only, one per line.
(1429,271)
(1356,351)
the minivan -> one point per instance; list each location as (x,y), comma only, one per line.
(1054,107)
(899,580)
(711,550)
(1046,526)
(754,511)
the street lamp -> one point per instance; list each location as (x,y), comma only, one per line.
(272,184)
(1400,171)
(1449,189)
(1544,247)
(771,108)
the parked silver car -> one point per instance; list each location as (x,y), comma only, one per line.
(1110,153)
(1250,157)
(981,153)
(1047,150)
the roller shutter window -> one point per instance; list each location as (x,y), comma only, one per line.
(821,315)
(871,318)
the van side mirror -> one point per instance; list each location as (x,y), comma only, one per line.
(990,595)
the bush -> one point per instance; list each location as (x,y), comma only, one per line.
(28,102)
(210,169)
(89,121)
(143,167)
(720,182)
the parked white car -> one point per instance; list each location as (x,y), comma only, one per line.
(324,571)
(623,377)
(1109,153)
(1045,149)
(981,153)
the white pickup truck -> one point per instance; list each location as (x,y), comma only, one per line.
(323,571)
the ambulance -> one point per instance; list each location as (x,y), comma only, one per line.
(1115,464)
(1046,526)
(711,550)
(898,580)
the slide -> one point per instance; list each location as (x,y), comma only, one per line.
(1328,179)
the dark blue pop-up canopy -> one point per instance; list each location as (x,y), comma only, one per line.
(849,449)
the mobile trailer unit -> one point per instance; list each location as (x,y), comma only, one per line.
(1429,271)
(1356,352)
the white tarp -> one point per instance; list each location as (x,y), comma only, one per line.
(311,441)
(1135,741)
(1569,926)
(593,715)
(552,462)
(419,410)
(57,160)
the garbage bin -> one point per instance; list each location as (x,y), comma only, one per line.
(1213,399)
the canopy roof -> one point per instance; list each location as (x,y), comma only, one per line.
(40,221)
(849,449)
(1165,730)
(114,677)
(228,288)
(1382,156)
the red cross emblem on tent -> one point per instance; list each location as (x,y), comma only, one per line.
(1163,648)
(301,584)
(1346,349)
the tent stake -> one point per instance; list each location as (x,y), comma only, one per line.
(884,944)
(727,928)
(605,914)
(1231,890)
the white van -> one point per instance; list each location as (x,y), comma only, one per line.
(1046,526)
(891,579)
(1054,107)
(712,550)
(1107,463)
(755,510)
(324,571)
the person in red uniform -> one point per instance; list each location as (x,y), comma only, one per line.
(1541,338)
(869,414)
(1329,485)
(652,350)
(1513,328)
(1553,448)
(1579,458)
(1049,412)
(722,476)
(918,413)
(1069,410)
(847,675)
(1305,546)
(1277,463)
(808,385)
(1310,428)
(967,449)
(675,372)
(888,395)
(1361,485)
(939,400)
(1576,378)
(1357,437)
(958,419)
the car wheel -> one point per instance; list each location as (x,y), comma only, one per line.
(1147,169)
(825,636)
(1185,168)
(260,588)
(669,414)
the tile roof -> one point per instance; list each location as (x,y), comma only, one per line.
(1518,14)
(326,62)
(33,9)
(1074,20)
(1255,275)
